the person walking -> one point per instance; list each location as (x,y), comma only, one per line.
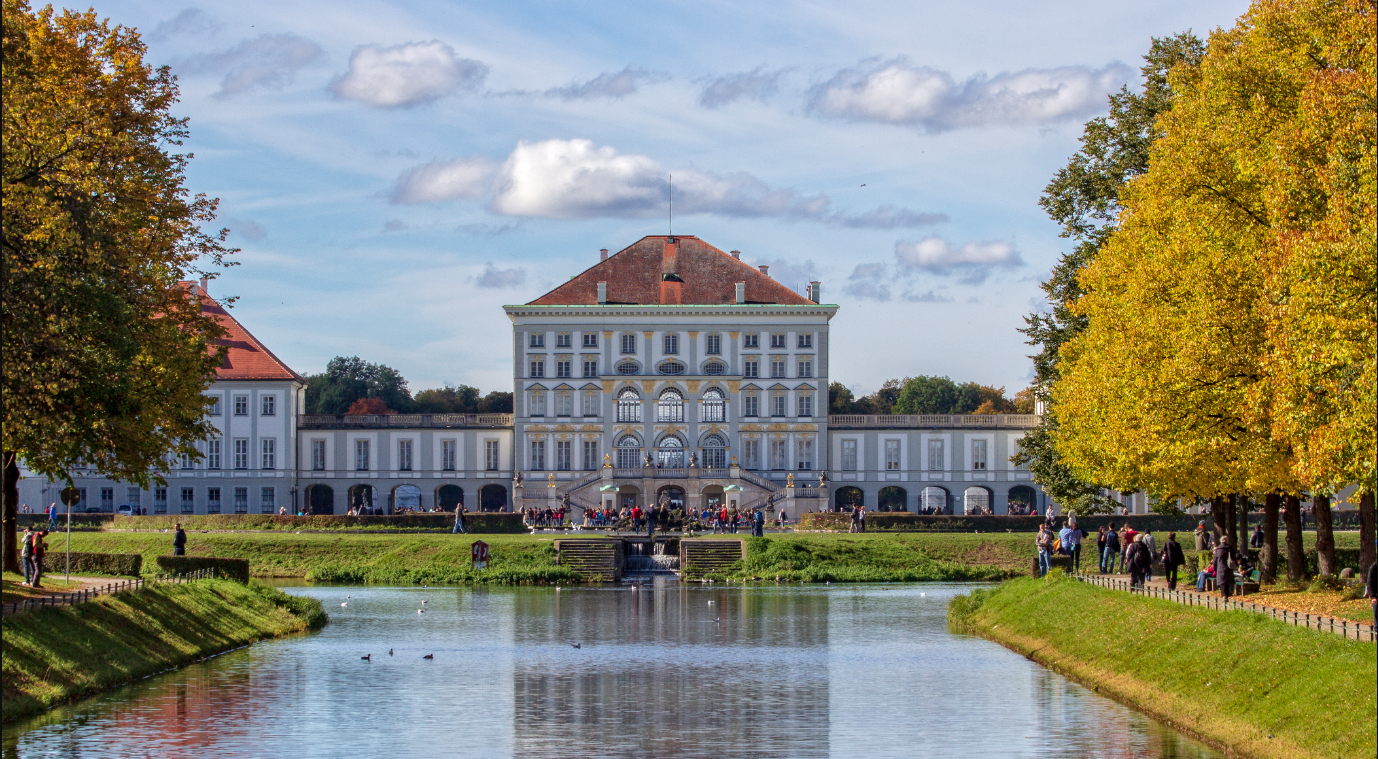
(1152,545)
(784,519)
(1112,549)
(52,516)
(861,518)
(1256,540)
(1071,543)
(1224,560)
(651,515)
(1172,559)
(1203,539)
(179,541)
(1138,560)
(26,553)
(39,548)
(459,521)
(1044,543)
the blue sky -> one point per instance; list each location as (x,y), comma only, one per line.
(395,172)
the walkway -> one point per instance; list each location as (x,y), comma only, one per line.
(86,594)
(1158,589)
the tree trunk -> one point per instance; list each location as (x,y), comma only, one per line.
(1268,557)
(1246,504)
(1296,558)
(1325,536)
(1367,554)
(10,538)
(1232,507)
(1220,516)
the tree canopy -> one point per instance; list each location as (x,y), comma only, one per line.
(347,381)
(929,395)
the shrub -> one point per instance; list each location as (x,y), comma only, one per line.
(229,569)
(123,564)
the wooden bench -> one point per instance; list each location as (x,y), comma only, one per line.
(1242,587)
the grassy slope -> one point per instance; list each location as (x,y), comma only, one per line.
(56,655)
(904,557)
(1233,678)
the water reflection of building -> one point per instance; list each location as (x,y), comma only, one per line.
(755,683)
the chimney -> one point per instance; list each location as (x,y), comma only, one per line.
(741,293)
(602,291)
(737,254)
(765,270)
(815,291)
(602,255)
(205,290)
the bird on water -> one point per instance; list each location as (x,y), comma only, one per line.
(577,645)
(367,658)
(389,652)
(428,656)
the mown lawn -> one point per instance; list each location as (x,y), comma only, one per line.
(1260,687)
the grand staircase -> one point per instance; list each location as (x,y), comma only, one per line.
(597,560)
(700,557)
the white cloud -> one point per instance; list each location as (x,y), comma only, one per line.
(757,84)
(269,61)
(407,75)
(973,261)
(495,278)
(898,92)
(930,296)
(869,281)
(247,228)
(575,179)
(444,180)
(607,85)
(191,22)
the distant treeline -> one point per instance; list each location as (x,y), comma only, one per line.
(354,386)
(929,395)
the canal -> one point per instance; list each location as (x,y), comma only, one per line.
(664,670)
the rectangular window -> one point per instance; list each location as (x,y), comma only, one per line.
(777,404)
(590,366)
(806,404)
(779,455)
(629,343)
(361,463)
(591,461)
(751,405)
(751,453)
(538,367)
(538,455)
(671,342)
(593,402)
(935,455)
(241,453)
(849,455)
(978,455)
(490,455)
(268,500)
(892,455)
(212,454)
(212,500)
(241,500)
(215,405)
(318,455)
(590,339)
(241,405)
(188,500)
(564,403)
(270,452)
(564,366)
(805,367)
(537,340)
(404,455)
(562,457)
(777,340)
(806,340)
(159,500)
(777,367)
(447,455)
(805,446)
(751,367)
(564,340)
(751,340)
(268,405)
(713,345)
(537,404)
(132,498)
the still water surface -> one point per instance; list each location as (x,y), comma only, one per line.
(664,671)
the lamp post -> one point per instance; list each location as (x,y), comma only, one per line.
(294,499)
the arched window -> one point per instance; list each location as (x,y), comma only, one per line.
(933,500)
(671,453)
(628,367)
(976,500)
(628,406)
(671,367)
(713,406)
(714,452)
(670,408)
(628,452)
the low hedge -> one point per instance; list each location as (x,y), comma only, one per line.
(893,521)
(80,521)
(229,569)
(474,522)
(1344,557)
(119,564)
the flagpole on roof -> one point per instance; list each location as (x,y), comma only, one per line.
(672,205)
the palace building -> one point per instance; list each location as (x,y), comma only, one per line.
(669,371)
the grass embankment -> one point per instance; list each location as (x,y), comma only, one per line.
(1253,685)
(905,557)
(57,655)
(385,559)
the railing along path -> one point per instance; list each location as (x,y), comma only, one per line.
(1346,627)
(86,594)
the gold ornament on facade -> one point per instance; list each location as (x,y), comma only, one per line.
(607,461)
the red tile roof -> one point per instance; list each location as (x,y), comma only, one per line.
(662,270)
(246,357)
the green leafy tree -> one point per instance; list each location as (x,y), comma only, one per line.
(495,402)
(928,395)
(447,400)
(840,399)
(1084,199)
(105,356)
(347,379)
